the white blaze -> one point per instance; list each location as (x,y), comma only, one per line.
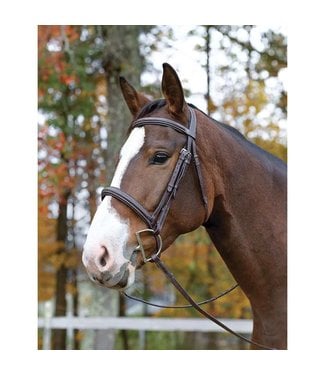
(129,150)
(108,228)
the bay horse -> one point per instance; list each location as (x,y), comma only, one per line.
(186,171)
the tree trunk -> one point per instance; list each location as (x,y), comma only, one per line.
(59,336)
(123,332)
(122,57)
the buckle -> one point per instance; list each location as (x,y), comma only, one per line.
(185,155)
(140,245)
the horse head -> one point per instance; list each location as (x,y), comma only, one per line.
(147,163)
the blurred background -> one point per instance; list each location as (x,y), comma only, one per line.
(236,74)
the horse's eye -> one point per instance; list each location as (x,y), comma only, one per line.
(159,158)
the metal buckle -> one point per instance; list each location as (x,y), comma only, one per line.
(140,245)
(185,155)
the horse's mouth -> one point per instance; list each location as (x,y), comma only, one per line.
(122,280)
(125,276)
(122,284)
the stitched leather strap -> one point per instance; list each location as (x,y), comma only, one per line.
(164,122)
(129,201)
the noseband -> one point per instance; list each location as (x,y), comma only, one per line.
(155,221)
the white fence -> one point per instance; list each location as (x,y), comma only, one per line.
(145,324)
(138,324)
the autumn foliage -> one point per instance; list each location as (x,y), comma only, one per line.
(69,154)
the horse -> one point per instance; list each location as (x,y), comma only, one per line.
(180,169)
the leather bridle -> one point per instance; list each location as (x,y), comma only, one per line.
(155,221)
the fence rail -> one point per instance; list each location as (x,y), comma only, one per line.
(144,324)
(141,325)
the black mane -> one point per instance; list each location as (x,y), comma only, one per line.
(150,107)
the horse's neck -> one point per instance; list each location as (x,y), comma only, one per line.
(247,223)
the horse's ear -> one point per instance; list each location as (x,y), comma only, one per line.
(134,100)
(173,91)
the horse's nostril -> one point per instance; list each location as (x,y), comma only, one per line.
(103,257)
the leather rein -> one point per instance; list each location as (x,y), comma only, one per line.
(156,220)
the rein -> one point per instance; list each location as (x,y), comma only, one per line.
(181,306)
(156,220)
(159,263)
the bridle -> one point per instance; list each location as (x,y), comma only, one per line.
(155,221)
